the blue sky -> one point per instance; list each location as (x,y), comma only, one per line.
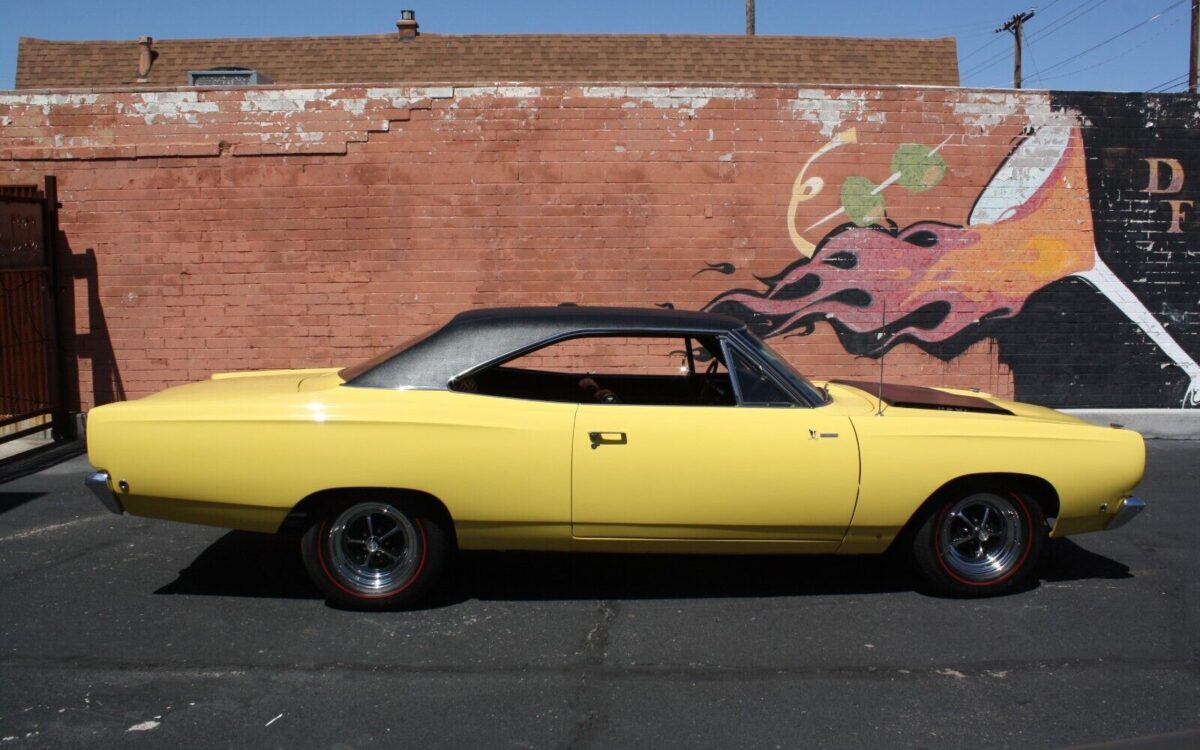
(1106,45)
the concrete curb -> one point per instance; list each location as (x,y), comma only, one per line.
(1167,424)
(36,459)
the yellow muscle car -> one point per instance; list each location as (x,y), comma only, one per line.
(614,430)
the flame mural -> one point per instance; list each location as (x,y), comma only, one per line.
(942,285)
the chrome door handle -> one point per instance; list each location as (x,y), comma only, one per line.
(607,438)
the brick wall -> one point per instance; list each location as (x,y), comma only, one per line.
(1033,244)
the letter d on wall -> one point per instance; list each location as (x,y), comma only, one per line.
(1174,172)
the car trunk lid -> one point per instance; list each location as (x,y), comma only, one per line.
(242,385)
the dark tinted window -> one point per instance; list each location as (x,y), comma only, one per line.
(810,392)
(605,369)
(755,386)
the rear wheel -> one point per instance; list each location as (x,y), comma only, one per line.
(375,552)
(981,542)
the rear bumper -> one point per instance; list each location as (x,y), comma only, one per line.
(1130,507)
(97,482)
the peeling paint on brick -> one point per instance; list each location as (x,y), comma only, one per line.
(170,106)
(314,231)
(506,92)
(833,112)
(403,97)
(687,98)
(295,100)
(48,100)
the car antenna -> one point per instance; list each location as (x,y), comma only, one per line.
(882,354)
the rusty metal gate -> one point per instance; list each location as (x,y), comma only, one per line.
(31,398)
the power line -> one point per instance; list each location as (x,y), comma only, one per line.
(1034,65)
(1067,19)
(1163,87)
(1072,14)
(1107,61)
(1114,37)
(942,30)
(981,48)
(989,62)
(1176,81)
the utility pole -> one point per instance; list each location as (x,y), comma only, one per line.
(1195,45)
(1014,25)
(750,17)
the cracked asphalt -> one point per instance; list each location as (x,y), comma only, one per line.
(131,632)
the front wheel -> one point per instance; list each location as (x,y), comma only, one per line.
(980,542)
(375,552)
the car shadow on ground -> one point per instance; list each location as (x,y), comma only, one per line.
(1063,560)
(242,563)
(10,500)
(269,566)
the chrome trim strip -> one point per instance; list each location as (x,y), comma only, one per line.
(97,482)
(1129,508)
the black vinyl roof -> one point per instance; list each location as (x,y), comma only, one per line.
(574,317)
(480,337)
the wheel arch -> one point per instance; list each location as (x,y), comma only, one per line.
(1037,488)
(309,508)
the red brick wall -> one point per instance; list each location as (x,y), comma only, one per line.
(228,230)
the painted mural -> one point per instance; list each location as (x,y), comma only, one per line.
(1006,270)
(1036,244)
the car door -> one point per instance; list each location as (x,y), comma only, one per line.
(744,472)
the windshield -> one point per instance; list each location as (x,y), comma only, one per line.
(350,373)
(810,392)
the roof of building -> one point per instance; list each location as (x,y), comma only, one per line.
(536,58)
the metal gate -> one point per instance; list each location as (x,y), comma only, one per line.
(31,398)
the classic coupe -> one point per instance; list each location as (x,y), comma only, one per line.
(613,430)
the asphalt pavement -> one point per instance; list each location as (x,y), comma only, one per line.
(139,633)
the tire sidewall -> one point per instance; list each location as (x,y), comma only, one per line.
(937,574)
(435,548)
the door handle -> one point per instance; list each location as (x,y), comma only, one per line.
(607,438)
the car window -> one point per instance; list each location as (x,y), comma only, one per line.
(800,384)
(598,355)
(754,386)
(647,370)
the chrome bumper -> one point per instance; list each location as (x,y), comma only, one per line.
(1130,507)
(97,482)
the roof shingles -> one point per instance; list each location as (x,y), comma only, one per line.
(436,58)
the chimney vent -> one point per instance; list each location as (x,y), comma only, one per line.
(146,58)
(407,25)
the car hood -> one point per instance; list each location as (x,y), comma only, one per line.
(915,399)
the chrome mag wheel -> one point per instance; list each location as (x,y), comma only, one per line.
(982,538)
(375,549)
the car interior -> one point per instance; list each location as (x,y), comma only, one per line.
(700,379)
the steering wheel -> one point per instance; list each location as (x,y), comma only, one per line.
(598,394)
(708,391)
(606,396)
